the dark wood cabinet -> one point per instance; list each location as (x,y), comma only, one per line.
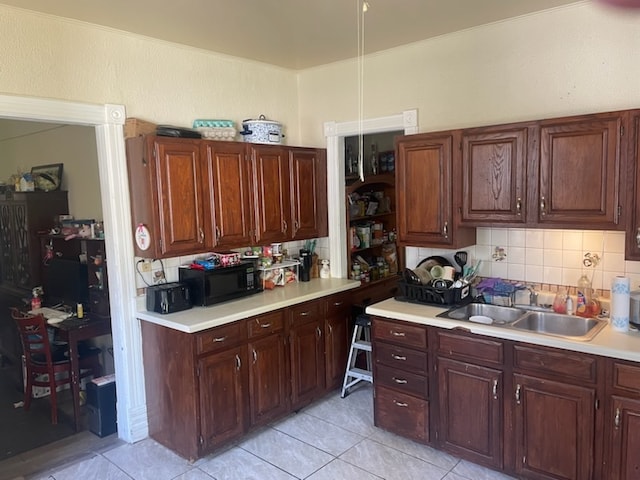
(470,415)
(222,384)
(23,215)
(579,177)
(165,183)
(632,185)
(306,346)
(426,166)
(623,419)
(554,429)
(268,372)
(337,338)
(193,195)
(496,162)
(308,180)
(272,206)
(228,193)
(401,399)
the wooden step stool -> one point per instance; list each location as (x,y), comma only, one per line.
(361,341)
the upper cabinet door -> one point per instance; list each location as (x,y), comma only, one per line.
(229,196)
(271,194)
(632,184)
(308,193)
(579,171)
(423,189)
(494,174)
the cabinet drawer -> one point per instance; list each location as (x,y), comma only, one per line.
(574,366)
(626,377)
(400,333)
(336,304)
(400,357)
(402,414)
(220,338)
(265,324)
(306,312)
(402,381)
(476,349)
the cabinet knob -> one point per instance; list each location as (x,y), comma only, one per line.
(519,206)
(543,206)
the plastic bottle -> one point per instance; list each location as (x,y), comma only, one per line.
(36,302)
(583,303)
(569,305)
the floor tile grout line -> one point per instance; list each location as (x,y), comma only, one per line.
(267,461)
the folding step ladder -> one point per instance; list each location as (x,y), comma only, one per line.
(361,341)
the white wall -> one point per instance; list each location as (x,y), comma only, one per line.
(581,58)
(46,56)
(72,145)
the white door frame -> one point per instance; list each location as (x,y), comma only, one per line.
(335,133)
(108,121)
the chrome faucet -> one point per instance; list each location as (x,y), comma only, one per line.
(533,295)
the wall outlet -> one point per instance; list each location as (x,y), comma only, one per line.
(158,277)
(145,266)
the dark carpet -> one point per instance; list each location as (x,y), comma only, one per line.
(22,431)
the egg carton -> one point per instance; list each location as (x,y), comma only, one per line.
(216,133)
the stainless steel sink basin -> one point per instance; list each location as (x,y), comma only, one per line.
(500,315)
(568,326)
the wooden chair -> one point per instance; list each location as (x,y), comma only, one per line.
(41,360)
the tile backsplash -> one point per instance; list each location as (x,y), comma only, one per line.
(544,256)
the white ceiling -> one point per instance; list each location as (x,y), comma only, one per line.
(293,34)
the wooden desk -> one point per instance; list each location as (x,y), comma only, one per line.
(72,333)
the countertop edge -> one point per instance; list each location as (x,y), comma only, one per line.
(198,319)
(607,343)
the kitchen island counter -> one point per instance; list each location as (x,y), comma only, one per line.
(203,318)
(607,343)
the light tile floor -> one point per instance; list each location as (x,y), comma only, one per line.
(334,439)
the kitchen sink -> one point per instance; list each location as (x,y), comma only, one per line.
(559,325)
(500,315)
(543,322)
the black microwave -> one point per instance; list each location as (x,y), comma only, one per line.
(208,287)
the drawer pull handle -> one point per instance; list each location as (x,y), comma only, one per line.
(398,357)
(337,304)
(616,420)
(518,388)
(519,206)
(220,339)
(638,238)
(400,404)
(399,381)
(304,314)
(445,230)
(543,206)
(495,389)
(265,325)
(397,334)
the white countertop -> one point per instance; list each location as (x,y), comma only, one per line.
(607,343)
(202,318)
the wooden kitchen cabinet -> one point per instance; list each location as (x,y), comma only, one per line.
(272,202)
(554,429)
(496,162)
(228,193)
(426,192)
(268,372)
(471,396)
(632,175)
(165,183)
(401,391)
(337,337)
(622,421)
(222,387)
(579,184)
(306,347)
(308,167)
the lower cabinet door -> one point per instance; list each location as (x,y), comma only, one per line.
(222,397)
(624,423)
(267,378)
(307,363)
(336,349)
(554,425)
(470,421)
(402,414)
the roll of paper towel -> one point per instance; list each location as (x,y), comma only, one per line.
(620,290)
